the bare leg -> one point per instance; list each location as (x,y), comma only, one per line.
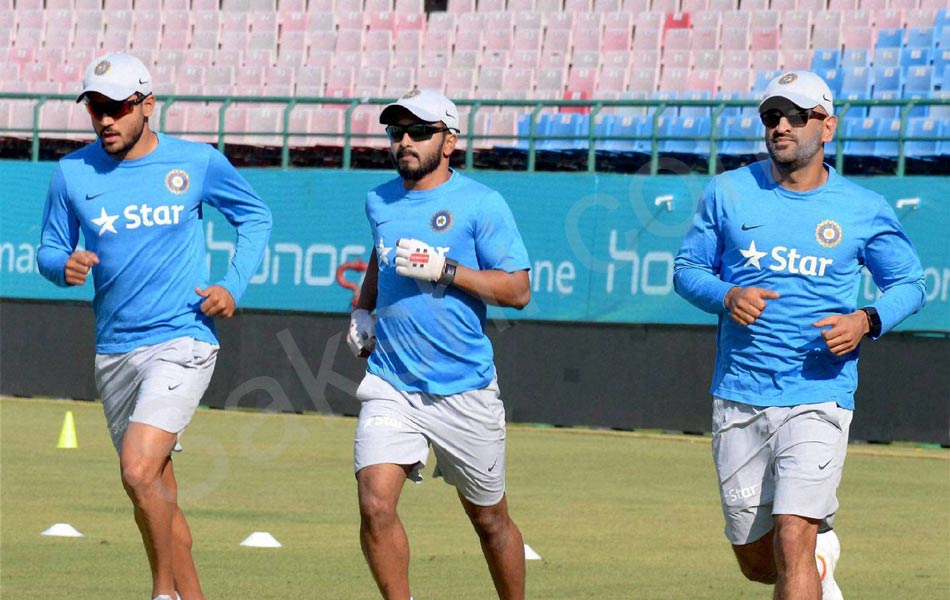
(798,577)
(186,575)
(145,454)
(502,546)
(382,536)
(757,559)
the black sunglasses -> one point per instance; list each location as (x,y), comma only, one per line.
(418,132)
(113,108)
(797,118)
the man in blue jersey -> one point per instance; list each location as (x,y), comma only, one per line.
(776,250)
(445,246)
(137,197)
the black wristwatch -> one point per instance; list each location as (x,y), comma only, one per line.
(874,321)
(448,273)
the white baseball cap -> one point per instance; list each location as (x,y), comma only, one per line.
(117,76)
(431,106)
(804,89)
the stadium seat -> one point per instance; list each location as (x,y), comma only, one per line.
(704,81)
(888,79)
(642,80)
(741,127)
(918,80)
(833,78)
(695,129)
(826,59)
(887,57)
(922,149)
(884,112)
(796,59)
(889,38)
(856,82)
(766,60)
(915,57)
(735,80)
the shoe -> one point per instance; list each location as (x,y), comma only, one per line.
(167,597)
(827,551)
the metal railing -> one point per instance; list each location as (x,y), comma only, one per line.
(531,146)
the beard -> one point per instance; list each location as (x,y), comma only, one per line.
(427,164)
(797,156)
(119,148)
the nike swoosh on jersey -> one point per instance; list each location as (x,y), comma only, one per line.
(93,196)
(748,227)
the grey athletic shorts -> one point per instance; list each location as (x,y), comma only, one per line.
(777,461)
(158,385)
(466,432)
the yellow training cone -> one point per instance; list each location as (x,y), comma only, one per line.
(67,436)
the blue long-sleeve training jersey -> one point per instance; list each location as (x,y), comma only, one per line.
(810,248)
(143,218)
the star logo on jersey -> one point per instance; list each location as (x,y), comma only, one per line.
(106,222)
(753,256)
(382,252)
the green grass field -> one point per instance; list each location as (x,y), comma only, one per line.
(614,515)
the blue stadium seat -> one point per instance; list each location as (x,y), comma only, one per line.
(747,127)
(919,111)
(942,19)
(888,79)
(833,78)
(669,111)
(630,126)
(887,57)
(857,82)
(695,112)
(920,37)
(825,59)
(941,112)
(565,124)
(696,129)
(762,80)
(541,128)
(887,128)
(856,58)
(922,127)
(861,128)
(733,111)
(915,57)
(941,61)
(918,80)
(943,147)
(890,38)
(884,112)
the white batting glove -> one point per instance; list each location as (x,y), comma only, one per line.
(418,260)
(361,338)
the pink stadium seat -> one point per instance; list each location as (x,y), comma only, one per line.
(438,39)
(408,41)
(550,80)
(842,4)
(795,38)
(791,19)
(582,80)
(703,81)
(233,21)
(518,83)
(406,21)
(528,39)
(635,7)
(370,81)
(410,60)
(351,20)
(204,40)
(555,60)
(673,80)
(401,79)
(585,40)
(321,6)
(764,19)
(320,23)
(410,6)
(461,6)
(380,20)
(376,40)
(259,58)
(589,20)
(796,59)
(704,39)
(607,6)
(856,18)
(616,40)
(665,6)
(469,40)
(349,40)
(736,59)
(528,20)
(694,6)
(766,60)
(765,39)
(586,60)
(707,20)
(813,6)
(735,80)
(498,39)
(327,123)
(289,5)
(707,60)
(578,6)
(559,20)
(431,78)
(611,80)
(504,125)
(378,59)
(348,60)
(466,59)
(858,37)
(919,18)
(677,39)
(460,83)
(723,5)
(645,38)
(888,19)
(642,80)
(279,81)
(826,38)
(372,6)
(525,59)
(491,6)
(676,59)
(516,6)
(495,58)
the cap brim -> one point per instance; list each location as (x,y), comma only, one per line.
(784,100)
(109,91)
(392,112)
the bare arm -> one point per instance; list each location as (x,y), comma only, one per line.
(495,287)
(369,291)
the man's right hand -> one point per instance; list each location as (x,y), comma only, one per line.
(78,266)
(361,337)
(745,305)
